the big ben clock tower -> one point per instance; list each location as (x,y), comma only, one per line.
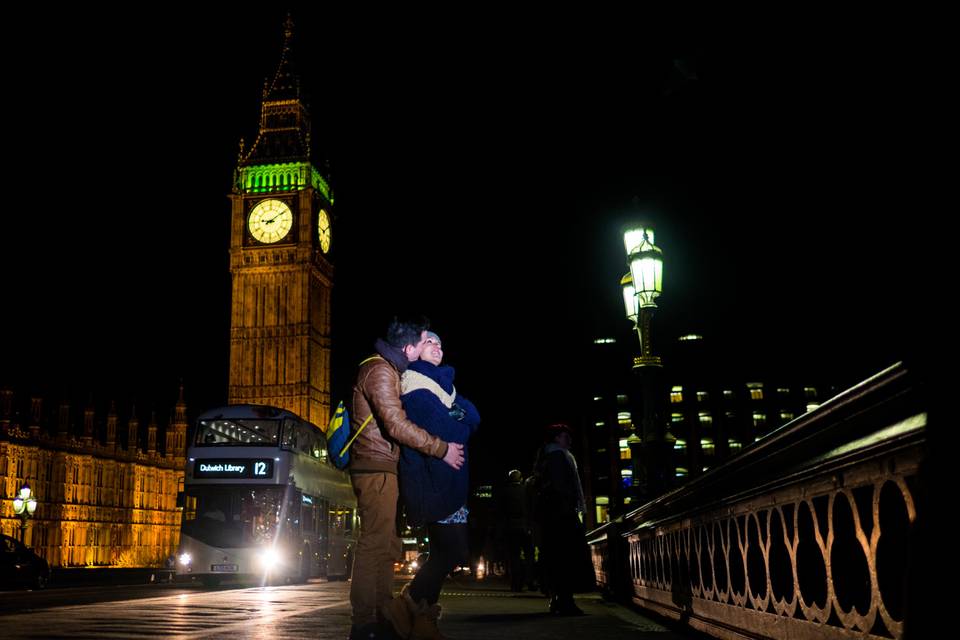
(282,277)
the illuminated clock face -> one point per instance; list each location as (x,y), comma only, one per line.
(270,221)
(323,230)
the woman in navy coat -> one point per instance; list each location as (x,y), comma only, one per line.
(434,494)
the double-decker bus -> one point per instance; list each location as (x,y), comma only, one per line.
(262,501)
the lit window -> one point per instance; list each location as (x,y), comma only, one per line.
(604,341)
(603,514)
(599,424)
(621,399)
(756,390)
(810,393)
(676,394)
(730,415)
(597,398)
(681,472)
(624,450)
(603,499)
(734,445)
(680,444)
(708,447)
(627,500)
(483,491)
(812,405)
(676,417)
(783,391)
(623,418)
(702,396)
(786,416)
(706,419)
(728,394)
(690,337)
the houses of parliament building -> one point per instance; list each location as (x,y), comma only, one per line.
(106,495)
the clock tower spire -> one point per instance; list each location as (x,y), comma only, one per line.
(281,211)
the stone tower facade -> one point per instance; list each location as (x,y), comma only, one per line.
(282,277)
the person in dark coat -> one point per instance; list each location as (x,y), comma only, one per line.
(515,524)
(434,495)
(559,508)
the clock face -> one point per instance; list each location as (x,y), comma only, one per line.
(323,230)
(270,221)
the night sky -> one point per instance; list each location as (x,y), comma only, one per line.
(483,168)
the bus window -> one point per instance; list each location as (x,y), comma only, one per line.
(308,514)
(189,508)
(263,433)
(293,514)
(341,519)
(232,516)
(306,439)
(323,515)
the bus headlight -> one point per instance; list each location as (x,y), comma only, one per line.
(185,559)
(269,558)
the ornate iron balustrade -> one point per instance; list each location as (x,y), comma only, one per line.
(803,535)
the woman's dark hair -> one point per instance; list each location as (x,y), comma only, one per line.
(406,331)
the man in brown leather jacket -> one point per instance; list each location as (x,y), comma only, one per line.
(373,467)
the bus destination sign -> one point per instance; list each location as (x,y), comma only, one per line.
(234,468)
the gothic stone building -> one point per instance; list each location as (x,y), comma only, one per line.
(102,501)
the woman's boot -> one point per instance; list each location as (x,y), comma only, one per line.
(425,623)
(401,612)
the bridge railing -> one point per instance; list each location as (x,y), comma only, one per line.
(805,534)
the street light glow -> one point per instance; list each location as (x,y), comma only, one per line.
(629,297)
(646,270)
(24,506)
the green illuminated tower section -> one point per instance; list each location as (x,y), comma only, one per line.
(281,212)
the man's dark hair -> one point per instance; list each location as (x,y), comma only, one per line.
(406,331)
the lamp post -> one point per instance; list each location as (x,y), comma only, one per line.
(641,287)
(24,505)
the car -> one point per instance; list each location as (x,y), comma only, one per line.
(20,566)
(414,565)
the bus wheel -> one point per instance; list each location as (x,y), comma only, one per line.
(210,581)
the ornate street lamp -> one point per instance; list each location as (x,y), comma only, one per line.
(641,288)
(24,505)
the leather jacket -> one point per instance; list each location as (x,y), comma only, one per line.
(377,448)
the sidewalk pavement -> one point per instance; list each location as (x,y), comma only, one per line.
(480,610)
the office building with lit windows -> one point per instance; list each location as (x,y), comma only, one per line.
(711,414)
